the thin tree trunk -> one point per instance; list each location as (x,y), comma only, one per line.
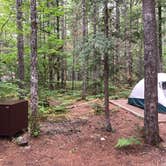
(140,60)
(75,39)
(150,62)
(95,91)
(34,74)
(63,60)
(58,37)
(125,37)
(20,46)
(106,70)
(84,32)
(117,52)
(130,58)
(160,36)
(50,57)
(73,63)
(51,77)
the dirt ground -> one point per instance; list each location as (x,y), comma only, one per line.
(81,140)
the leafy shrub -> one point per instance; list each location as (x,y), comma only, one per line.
(124,94)
(100,96)
(98,108)
(35,133)
(114,97)
(59,109)
(126,142)
(112,89)
(8,90)
(92,90)
(43,109)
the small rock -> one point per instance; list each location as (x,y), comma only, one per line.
(91,136)
(102,139)
(27,147)
(22,140)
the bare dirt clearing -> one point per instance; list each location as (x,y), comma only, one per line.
(77,141)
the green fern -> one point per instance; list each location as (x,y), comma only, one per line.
(126,142)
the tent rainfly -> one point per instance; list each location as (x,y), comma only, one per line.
(136,97)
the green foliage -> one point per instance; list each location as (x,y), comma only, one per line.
(124,94)
(98,108)
(98,84)
(113,89)
(59,109)
(8,90)
(9,59)
(34,125)
(127,142)
(36,132)
(56,102)
(114,97)
(43,108)
(118,92)
(101,95)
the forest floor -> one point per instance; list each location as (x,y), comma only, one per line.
(80,140)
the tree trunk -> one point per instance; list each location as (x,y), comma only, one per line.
(84,32)
(63,60)
(117,52)
(130,58)
(160,36)
(125,39)
(51,77)
(106,70)
(34,74)
(73,63)
(58,37)
(50,56)
(20,46)
(95,83)
(150,62)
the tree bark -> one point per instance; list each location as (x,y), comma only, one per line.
(84,32)
(160,36)
(106,70)
(34,74)
(150,64)
(95,83)
(117,52)
(75,40)
(58,37)
(50,56)
(73,62)
(20,46)
(125,38)
(63,60)
(130,58)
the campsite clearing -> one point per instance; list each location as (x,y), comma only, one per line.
(84,142)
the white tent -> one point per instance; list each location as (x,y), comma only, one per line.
(136,97)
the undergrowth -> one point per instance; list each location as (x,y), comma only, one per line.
(98,108)
(127,142)
(60,99)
